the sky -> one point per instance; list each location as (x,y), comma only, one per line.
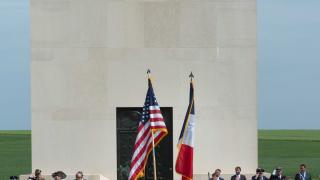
(288,64)
(14,65)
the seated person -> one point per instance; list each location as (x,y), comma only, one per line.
(215,176)
(303,174)
(278,174)
(58,175)
(37,175)
(79,175)
(259,175)
(218,172)
(238,176)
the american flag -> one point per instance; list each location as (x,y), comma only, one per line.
(151,120)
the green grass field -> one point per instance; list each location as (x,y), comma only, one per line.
(285,148)
(288,149)
(15,153)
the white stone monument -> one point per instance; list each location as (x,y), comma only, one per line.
(89,57)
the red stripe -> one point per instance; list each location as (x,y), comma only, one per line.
(156,119)
(155,111)
(184,164)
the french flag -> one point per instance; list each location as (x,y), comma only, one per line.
(184,163)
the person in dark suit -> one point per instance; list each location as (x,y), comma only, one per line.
(238,176)
(37,175)
(218,172)
(278,174)
(259,175)
(303,174)
(214,176)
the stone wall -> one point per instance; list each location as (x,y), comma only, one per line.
(90,56)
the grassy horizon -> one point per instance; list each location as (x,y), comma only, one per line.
(27,132)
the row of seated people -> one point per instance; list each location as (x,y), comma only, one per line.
(59,175)
(302,174)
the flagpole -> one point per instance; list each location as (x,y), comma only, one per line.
(154,158)
(153,150)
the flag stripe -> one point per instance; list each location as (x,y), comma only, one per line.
(154,108)
(155,111)
(156,116)
(188,135)
(185,161)
(156,119)
(157,124)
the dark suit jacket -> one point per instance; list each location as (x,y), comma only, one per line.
(261,178)
(274,177)
(298,176)
(242,177)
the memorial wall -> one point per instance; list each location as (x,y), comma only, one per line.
(88,63)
